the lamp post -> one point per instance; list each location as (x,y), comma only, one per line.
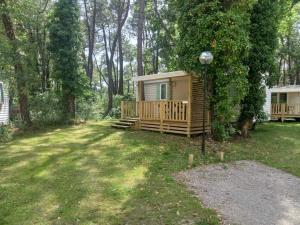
(205,59)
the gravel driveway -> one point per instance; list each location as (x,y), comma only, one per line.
(247,193)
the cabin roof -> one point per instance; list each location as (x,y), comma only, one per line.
(286,89)
(160,76)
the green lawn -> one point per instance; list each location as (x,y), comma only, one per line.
(274,144)
(93,174)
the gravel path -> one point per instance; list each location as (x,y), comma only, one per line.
(247,193)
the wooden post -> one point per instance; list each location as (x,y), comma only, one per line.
(161,113)
(189,112)
(122,109)
(141,109)
(139,91)
(191,160)
(221,154)
(282,112)
(170,89)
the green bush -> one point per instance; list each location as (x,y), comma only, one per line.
(5,133)
(88,109)
(46,109)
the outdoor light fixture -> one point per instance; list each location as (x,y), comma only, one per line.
(205,59)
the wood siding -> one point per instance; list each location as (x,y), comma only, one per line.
(197,107)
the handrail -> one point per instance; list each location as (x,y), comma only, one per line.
(173,110)
(285,109)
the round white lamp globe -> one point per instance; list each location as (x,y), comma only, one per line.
(206,58)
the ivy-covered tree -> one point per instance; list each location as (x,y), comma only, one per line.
(16,60)
(65,47)
(263,37)
(223,29)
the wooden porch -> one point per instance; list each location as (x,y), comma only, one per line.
(169,102)
(281,111)
(171,116)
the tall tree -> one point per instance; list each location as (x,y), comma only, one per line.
(140,31)
(125,5)
(90,20)
(120,10)
(208,25)
(65,47)
(289,48)
(263,37)
(20,74)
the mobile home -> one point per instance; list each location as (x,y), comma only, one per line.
(283,102)
(166,102)
(4,104)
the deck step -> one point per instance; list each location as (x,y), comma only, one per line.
(129,120)
(120,126)
(124,123)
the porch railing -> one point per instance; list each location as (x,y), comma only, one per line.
(129,109)
(285,109)
(156,110)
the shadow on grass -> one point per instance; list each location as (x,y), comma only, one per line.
(93,174)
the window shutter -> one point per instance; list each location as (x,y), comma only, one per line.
(157,91)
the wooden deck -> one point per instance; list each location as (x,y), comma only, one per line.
(281,111)
(163,116)
(182,113)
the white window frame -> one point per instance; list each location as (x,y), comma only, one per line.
(161,92)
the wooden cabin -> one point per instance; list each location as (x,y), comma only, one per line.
(4,104)
(283,102)
(166,102)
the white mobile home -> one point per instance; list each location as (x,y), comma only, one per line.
(283,102)
(4,104)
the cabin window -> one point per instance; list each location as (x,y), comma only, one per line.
(1,94)
(274,99)
(283,98)
(163,91)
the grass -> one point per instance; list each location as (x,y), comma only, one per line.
(93,174)
(274,144)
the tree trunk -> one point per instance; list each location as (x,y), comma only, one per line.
(20,77)
(69,104)
(110,85)
(43,58)
(91,27)
(140,31)
(121,58)
(110,60)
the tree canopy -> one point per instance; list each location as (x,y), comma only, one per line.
(67,59)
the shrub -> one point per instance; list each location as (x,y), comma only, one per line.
(88,109)
(46,109)
(5,133)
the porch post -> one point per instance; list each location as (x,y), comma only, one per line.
(122,109)
(141,96)
(161,113)
(189,113)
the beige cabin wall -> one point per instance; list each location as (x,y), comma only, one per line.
(293,98)
(180,88)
